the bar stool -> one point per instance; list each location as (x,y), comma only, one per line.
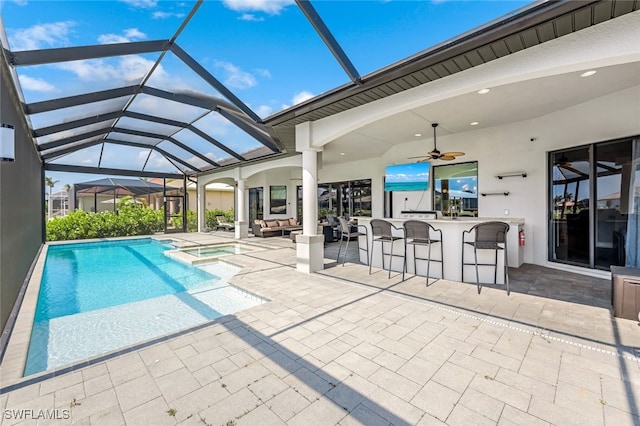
(381,231)
(488,236)
(346,231)
(418,233)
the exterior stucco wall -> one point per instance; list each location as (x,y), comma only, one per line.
(21,201)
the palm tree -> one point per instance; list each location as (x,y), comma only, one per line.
(67,188)
(48,181)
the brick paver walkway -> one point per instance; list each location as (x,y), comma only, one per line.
(345,347)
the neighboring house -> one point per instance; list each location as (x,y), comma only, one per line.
(218,195)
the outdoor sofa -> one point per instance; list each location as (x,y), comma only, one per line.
(274,227)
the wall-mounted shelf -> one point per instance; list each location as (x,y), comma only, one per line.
(512,174)
(484,194)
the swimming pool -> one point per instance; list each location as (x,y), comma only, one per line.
(97,297)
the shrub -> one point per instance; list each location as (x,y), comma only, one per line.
(210,217)
(192,221)
(130,220)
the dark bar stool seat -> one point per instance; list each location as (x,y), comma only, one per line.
(418,233)
(347,232)
(488,236)
(382,231)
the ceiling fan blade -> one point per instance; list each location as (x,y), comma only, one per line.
(424,160)
(419,156)
(453,153)
(447,157)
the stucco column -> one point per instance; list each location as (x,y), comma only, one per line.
(309,245)
(242,228)
(201,210)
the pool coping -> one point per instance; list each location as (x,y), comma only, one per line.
(181,255)
(15,357)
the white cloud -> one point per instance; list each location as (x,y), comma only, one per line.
(36,84)
(130,34)
(41,36)
(301,97)
(264,111)
(164,15)
(128,69)
(20,2)
(145,4)
(234,77)
(263,72)
(272,7)
(250,17)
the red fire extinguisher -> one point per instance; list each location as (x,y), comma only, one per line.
(521,237)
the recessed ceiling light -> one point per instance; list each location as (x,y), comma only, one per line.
(474,123)
(417,135)
(342,153)
(588,73)
(483,91)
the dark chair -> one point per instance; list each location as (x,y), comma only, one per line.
(347,232)
(335,225)
(488,236)
(381,231)
(419,233)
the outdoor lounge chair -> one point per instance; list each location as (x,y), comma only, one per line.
(223,224)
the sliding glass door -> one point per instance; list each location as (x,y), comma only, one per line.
(589,204)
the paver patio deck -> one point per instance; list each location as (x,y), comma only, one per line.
(345,347)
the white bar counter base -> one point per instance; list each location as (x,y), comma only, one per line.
(452,248)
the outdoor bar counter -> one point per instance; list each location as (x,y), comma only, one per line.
(452,248)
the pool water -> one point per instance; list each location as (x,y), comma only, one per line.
(97,297)
(219,250)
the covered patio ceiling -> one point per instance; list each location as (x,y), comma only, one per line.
(114,131)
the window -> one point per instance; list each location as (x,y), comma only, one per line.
(456,189)
(351,198)
(278,199)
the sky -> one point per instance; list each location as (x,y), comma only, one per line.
(264,51)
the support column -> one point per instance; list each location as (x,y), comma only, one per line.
(309,245)
(242,228)
(201,209)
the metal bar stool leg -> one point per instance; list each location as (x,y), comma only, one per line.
(346,250)
(462,275)
(442,259)
(366,249)
(390,258)
(475,255)
(404,259)
(373,246)
(506,270)
(428,263)
(495,271)
(339,248)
